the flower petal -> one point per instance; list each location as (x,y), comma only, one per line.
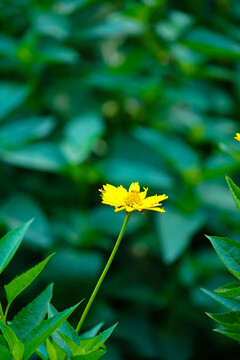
(112,195)
(153,201)
(134,187)
(143,194)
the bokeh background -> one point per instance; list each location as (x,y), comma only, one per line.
(120,91)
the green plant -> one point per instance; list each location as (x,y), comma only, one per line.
(29,332)
(228,295)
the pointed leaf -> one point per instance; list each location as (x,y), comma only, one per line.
(9,335)
(16,347)
(235,191)
(232,304)
(92,332)
(98,341)
(95,355)
(66,329)
(41,332)
(18,350)
(10,243)
(234,336)
(21,282)
(88,346)
(229,252)
(229,290)
(51,350)
(230,320)
(30,316)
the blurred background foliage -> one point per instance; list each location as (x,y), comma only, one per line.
(120,91)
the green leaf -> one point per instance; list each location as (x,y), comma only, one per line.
(98,341)
(51,350)
(88,345)
(18,351)
(229,290)
(11,96)
(232,304)
(229,252)
(115,25)
(4,353)
(12,212)
(51,24)
(213,44)
(43,156)
(66,329)
(81,134)
(17,133)
(21,282)
(30,316)
(173,240)
(179,155)
(10,243)
(230,320)
(235,191)
(234,336)
(95,355)
(92,332)
(9,335)
(121,171)
(41,332)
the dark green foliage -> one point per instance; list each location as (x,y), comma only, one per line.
(229,252)
(29,329)
(118,91)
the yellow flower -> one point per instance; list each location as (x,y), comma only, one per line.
(131,200)
(237,137)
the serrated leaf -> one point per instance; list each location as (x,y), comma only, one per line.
(32,314)
(230,320)
(235,191)
(21,282)
(42,331)
(98,341)
(232,304)
(229,290)
(10,243)
(234,336)
(88,345)
(67,329)
(229,252)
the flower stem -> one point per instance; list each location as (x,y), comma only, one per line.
(95,291)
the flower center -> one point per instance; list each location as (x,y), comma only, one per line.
(132,199)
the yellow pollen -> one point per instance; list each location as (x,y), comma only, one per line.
(132,199)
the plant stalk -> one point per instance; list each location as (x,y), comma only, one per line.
(95,291)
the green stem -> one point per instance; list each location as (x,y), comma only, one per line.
(6,312)
(1,313)
(95,291)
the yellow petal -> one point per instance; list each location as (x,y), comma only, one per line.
(143,193)
(237,137)
(112,195)
(156,209)
(153,201)
(134,187)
